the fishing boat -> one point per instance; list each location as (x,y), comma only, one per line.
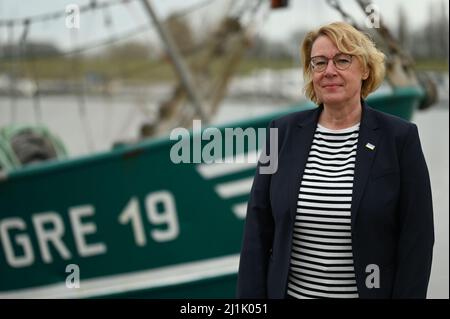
(130,222)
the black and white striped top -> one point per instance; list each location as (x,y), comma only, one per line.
(321,258)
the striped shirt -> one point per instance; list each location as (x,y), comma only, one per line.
(321,263)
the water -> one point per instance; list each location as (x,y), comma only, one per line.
(108,120)
(101,121)
(433,128)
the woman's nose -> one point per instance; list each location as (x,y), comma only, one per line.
(330,69)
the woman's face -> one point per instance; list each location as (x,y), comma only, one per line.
(334,86)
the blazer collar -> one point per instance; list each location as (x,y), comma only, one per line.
(367,149)
(311,118)
(368,117)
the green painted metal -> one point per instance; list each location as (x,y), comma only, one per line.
(108,186)
(403,101)
(135,223)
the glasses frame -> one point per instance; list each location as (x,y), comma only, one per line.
(334,58)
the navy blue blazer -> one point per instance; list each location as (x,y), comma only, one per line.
(391,211)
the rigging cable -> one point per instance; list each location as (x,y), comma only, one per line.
(107,98)
(34,74)
(11,77)
(141,29)
(94,45)
(139,104)
(93,5)
(81,100)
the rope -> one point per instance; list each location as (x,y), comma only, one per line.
(93,5)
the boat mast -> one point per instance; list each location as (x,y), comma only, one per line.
(180,67)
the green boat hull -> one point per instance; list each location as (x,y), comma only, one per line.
(403,102)
(131,223)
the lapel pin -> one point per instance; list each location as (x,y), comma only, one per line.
(370,146)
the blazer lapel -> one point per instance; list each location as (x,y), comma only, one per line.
(369,135)
(302,137)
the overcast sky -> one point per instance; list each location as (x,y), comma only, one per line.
(278,24)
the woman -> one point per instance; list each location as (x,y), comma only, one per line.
(348,213)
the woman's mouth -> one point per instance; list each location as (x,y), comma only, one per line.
(331,86)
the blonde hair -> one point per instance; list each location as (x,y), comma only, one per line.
(349,41)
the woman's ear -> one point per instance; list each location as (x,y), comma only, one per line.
(365,74)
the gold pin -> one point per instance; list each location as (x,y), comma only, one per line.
(370,146)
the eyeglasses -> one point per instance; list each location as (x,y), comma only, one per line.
(341,61)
